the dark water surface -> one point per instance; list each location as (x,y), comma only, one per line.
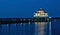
(30,29)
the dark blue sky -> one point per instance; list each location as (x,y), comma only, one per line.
(26,8)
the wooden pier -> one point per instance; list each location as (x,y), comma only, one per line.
(24,20)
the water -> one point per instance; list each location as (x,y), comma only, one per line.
(33,28)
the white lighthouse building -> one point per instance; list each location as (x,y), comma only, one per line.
(40,13)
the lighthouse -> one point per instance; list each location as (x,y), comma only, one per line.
(41,13)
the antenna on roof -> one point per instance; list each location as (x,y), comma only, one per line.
(40,8)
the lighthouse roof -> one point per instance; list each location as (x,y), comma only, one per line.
(41,10)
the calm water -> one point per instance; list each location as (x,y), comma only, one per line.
(34,28)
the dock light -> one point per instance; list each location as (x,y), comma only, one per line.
(49,17)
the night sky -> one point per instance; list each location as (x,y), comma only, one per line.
(26,8)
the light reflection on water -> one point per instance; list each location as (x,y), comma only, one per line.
(33,28)
(42,28)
